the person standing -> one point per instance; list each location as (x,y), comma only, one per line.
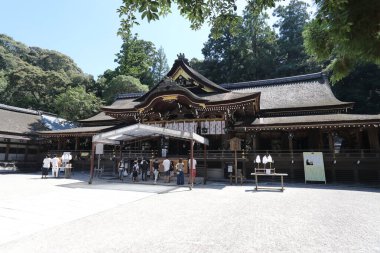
(45,166)
(179,168)
(144,169)
(55,166)
(135,172)
(121,169)
(156,165)
(193,170)
(166,164)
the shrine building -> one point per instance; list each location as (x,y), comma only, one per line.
(283,117)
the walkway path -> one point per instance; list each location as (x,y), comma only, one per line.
(68,215)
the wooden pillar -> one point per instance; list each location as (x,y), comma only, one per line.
(320,139)
(331,142)
(290,138)
(7,148)
(254,142)
(191,163)
(205,162)
(290,144)
(373,135)
(76,143)
(59,144)
(92,163)
(359,140)
(26,152)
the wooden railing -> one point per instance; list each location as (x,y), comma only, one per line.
(225,154)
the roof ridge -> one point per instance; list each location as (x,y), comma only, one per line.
(275,81)
(19,109)
(129,95)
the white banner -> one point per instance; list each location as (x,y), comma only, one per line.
(314,166)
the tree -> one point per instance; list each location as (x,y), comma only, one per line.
(292,59)
(246,50)
(362,87)
(215,12)
(136,58)
(75,103)
(30,87)
(345,34)
(261,45)
(123,84)
(223,55)
(160,66)
(32,77)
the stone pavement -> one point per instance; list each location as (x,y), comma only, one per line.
(68,215)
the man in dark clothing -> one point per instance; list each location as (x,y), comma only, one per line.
(144,169)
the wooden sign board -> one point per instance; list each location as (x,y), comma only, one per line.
(99,149)
(235,144)
(314,166)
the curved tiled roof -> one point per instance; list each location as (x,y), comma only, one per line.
(18,109)
(20,122)
(229,96)
(128,103)
(129,95)
(98,117)
(181,63)
(303,91)
(89,131)
(320,119)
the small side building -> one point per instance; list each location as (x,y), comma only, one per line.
(20,145)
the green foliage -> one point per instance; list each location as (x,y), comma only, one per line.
(197,12)
(261,46)
(123,84)
(362,87)
(292,57)
(345,34)
(224,54)
(136,58)
(32,77)
(75,103)
(3,81)
(160,66)
(249,49)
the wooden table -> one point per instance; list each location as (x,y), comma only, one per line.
(282,175)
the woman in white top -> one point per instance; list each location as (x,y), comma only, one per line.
(45,166)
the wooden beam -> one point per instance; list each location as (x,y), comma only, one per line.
(92,163)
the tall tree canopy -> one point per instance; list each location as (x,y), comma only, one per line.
(361,86)
(344,32)
(292,58)
(32,77)
(136,58)
(123,84)
(249,49)
(75,103)
(261,45)
(160,66)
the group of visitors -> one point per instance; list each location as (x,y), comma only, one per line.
(51,163)
(142,167)
(137,168)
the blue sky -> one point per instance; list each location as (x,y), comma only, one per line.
(85,30)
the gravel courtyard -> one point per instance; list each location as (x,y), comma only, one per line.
(68,215)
